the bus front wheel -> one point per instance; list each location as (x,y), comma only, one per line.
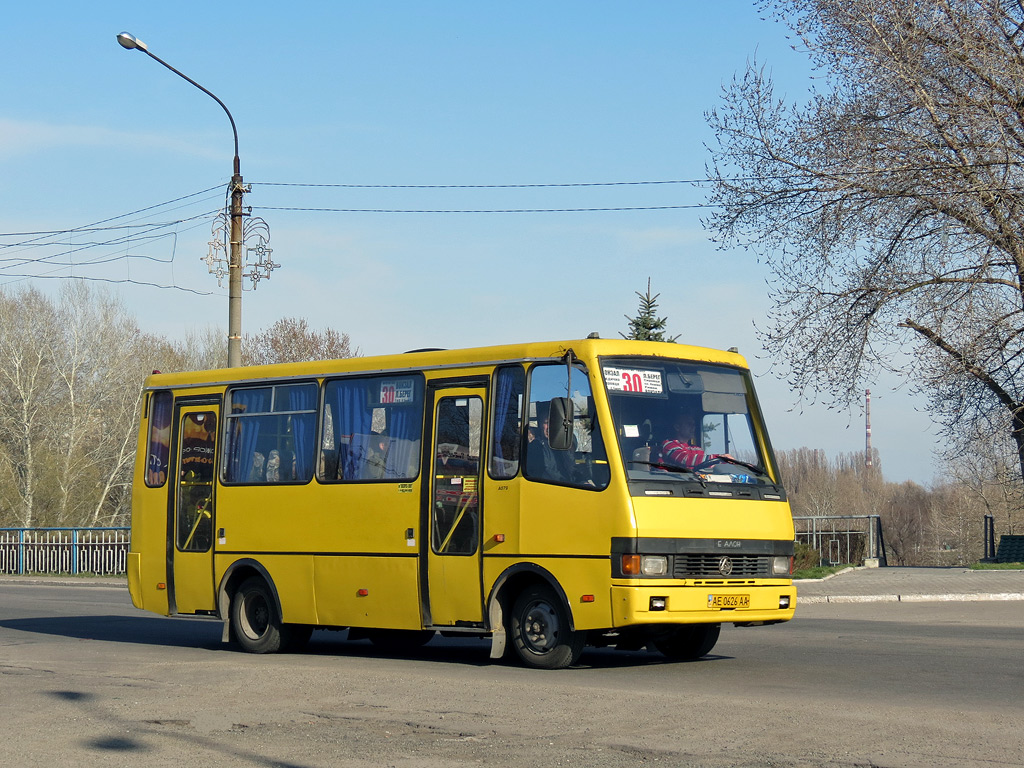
(540,630)
(255,621)
(688,642)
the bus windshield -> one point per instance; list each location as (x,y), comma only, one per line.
(685,421)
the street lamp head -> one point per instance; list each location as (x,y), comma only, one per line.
(130,42)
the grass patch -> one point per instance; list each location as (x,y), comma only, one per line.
(819,571)
(997,566)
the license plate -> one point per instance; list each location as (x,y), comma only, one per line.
(728,601)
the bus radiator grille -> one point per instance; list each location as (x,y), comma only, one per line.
(696,566)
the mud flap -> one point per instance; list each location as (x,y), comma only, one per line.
(496,620)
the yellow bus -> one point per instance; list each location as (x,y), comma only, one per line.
(546,495)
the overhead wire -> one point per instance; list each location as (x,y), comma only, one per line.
(146,231)
(134,229)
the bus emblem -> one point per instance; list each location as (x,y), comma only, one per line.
(725,566)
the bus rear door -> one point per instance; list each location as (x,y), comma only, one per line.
(191,510)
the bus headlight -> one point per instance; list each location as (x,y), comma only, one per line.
(654,565)
(782,566)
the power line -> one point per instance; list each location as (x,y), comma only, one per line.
(115,281)
(478,210)
(648,182)
(95,226)
(144,234)
(481,186)
(64,256)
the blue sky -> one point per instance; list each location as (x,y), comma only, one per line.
(403,93)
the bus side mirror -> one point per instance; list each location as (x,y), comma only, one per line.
(560,417)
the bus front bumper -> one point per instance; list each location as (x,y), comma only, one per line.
(703,604)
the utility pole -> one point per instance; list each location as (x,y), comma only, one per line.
(867,428)
(235,267)
(237,229)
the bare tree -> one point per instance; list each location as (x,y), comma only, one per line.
(957,519)
(890,206)
(97,371)
(810,480)
(906,519)
(29,333)
(71,370)
(987,475)
(290,339)
(200,349)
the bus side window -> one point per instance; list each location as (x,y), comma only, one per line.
(271,433)
(585,463)
(507,422)
(373,432)
(159,450)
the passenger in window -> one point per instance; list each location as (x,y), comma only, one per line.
(377,457)
(274,466)
(542,461)
(256,473)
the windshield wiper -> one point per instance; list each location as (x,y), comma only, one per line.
(699,473)
(745,465)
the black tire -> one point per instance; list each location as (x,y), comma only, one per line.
(255,621)
(399,640)
(539,626)
(688,642)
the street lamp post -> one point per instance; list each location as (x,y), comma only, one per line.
(131,42)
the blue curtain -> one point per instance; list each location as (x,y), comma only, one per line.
(404,429)
(352,402)
(353,417)
(244,431)
(510,383)
(303,398)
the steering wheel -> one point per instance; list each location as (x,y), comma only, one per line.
(708,462)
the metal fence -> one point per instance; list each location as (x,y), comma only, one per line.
(99,551)
(841,539)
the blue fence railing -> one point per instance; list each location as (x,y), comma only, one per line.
(99,551)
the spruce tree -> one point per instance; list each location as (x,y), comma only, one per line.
(647,326)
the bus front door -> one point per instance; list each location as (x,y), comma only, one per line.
(192,509)
(453,514)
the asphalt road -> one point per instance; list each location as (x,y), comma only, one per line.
(86,679)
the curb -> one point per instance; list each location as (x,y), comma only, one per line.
(965,598)
(57,581)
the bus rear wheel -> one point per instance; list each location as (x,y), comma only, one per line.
(255,621)
(688,642)
(540,630)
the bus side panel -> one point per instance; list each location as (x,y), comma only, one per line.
(147,556)
(363,518)
(334,531)
(367,591)
(559,520)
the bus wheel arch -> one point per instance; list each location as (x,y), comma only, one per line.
(238,572)
(527,596)
(251,606)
